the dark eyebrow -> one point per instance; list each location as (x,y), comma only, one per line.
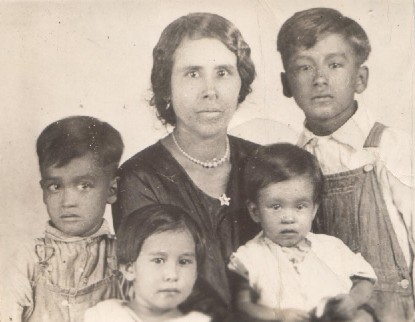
(226,66)
(191,254)
(335,55)
(294,58)
(87,176)
(305,199)
(191,67)
(157,254)
(46,181)
(76,178)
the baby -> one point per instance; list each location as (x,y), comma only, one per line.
(288,268)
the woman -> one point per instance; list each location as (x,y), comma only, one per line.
(201,71)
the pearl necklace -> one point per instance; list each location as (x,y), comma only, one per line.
(205,164)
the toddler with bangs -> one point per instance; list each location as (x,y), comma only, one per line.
(160,250)
(289,273)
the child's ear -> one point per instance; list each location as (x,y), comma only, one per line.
(286,90)
(128,271)
(362,79)
(253,211)
(112,190)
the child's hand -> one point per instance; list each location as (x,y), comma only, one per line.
(293,315)
(343,307)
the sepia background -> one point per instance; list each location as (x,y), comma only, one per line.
(94,58)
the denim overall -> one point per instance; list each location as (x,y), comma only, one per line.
(53,303)
(353,209)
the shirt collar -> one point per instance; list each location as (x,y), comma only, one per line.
(304,245)
(353,133)
(56,234)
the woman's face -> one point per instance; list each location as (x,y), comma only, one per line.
(205,85)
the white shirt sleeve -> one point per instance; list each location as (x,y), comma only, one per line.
(16,294)
(353,264)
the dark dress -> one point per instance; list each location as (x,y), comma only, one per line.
(154,176)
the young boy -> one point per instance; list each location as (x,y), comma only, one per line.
(72,267)
(290,269)
(367,166)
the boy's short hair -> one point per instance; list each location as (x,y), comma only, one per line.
(152,219)
(280,162)
(196,26)
(306,27)
(75,136)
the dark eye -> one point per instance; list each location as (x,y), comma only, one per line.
(53,187)
(158,260)
(301,206)
(304,68)
(193,74)
(276,206)
(223,73)
(84,185)
(335,65)
(185,261)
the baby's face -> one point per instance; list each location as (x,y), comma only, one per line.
(323,79)
(76,194)
(165,271)
(285,210)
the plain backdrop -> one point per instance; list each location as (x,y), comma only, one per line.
(94,58)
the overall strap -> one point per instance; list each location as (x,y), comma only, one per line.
(375,134)
(44,251)
(373,141)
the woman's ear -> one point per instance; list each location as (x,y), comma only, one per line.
(128,271)
(286,90)
(362,79)
(112,190)
(253,211)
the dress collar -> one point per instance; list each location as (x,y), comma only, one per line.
(56,234)
(353,133)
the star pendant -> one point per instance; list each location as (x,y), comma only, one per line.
(224,200)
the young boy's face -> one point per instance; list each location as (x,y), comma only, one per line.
(324,78)
(76,194)
(164,272)
(285,210)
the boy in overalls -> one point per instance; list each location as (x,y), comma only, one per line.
(366,198)
(73,266)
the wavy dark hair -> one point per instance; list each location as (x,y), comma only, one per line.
(195,26)
(306,27)
(280,162)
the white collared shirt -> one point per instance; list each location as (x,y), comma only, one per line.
(343,151)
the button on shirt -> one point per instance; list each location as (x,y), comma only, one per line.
(343,151)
